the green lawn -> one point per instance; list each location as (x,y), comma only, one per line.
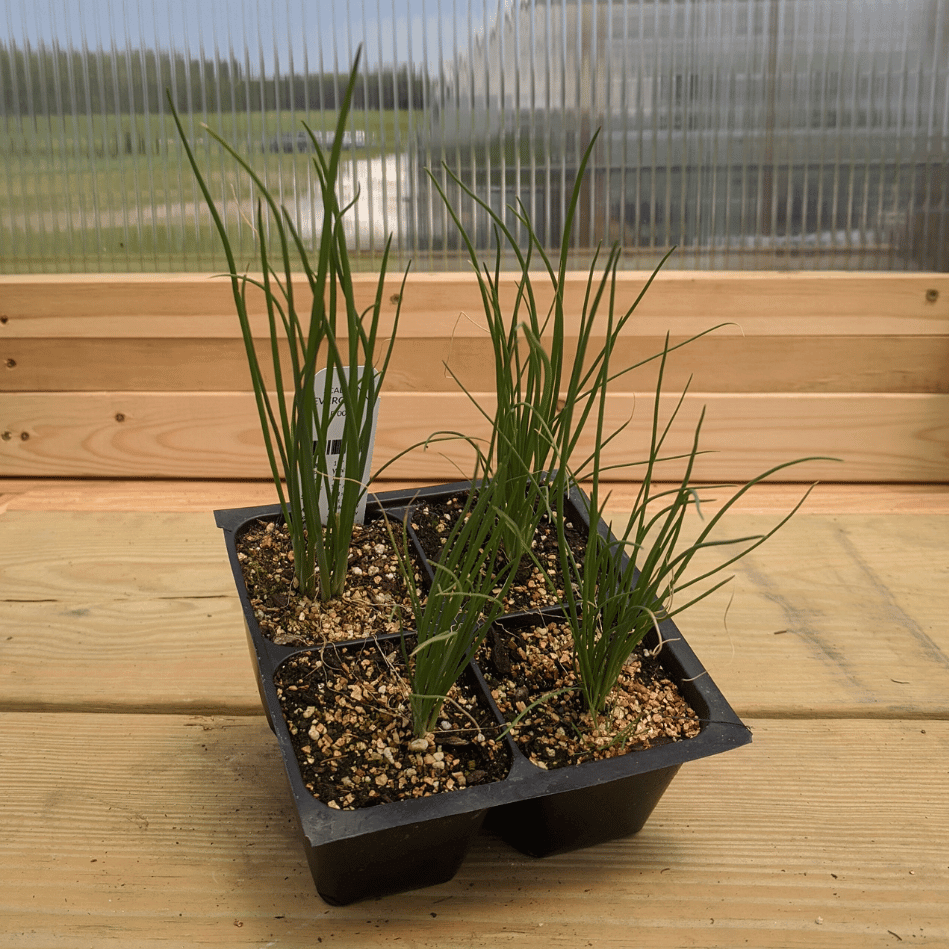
(114,193)
(117,135)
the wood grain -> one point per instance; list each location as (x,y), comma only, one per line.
(216,435)
(841,615)
(143,376)
(176,831)
(109,557)
(729,363)
(680,302)
(149,830)
(150,654)
(838,615)
(156,495)
(120,611)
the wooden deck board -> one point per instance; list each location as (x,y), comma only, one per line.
(166,830)
(845,614)
(144,804)
(137,610)
(120,611)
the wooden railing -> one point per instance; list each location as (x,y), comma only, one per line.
(145,376)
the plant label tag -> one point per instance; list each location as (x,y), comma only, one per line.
(334,440)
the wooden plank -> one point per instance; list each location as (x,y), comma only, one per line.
(836,615)
(216,435)
(176,831)
(730,363)
(682,302)
(51,494)
(25,494)
(841,615)
(141,653)
(121,611)
(110,558)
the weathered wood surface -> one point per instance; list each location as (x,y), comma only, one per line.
(144,805)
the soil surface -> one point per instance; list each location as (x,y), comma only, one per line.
(532,588)
(534,664)
(371,603)
(347,707)
(348,712)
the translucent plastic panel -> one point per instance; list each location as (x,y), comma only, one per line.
(750,133)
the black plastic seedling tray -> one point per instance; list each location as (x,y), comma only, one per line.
(415,843)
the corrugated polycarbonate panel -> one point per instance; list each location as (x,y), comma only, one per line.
(750,133)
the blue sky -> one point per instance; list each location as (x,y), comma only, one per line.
(264,31)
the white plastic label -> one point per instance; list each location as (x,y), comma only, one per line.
(334,439)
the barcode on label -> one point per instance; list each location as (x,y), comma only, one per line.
(334,446)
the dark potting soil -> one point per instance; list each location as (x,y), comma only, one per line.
(347,709)
(531,589)
(534,664)
(352,735)
(370,605)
